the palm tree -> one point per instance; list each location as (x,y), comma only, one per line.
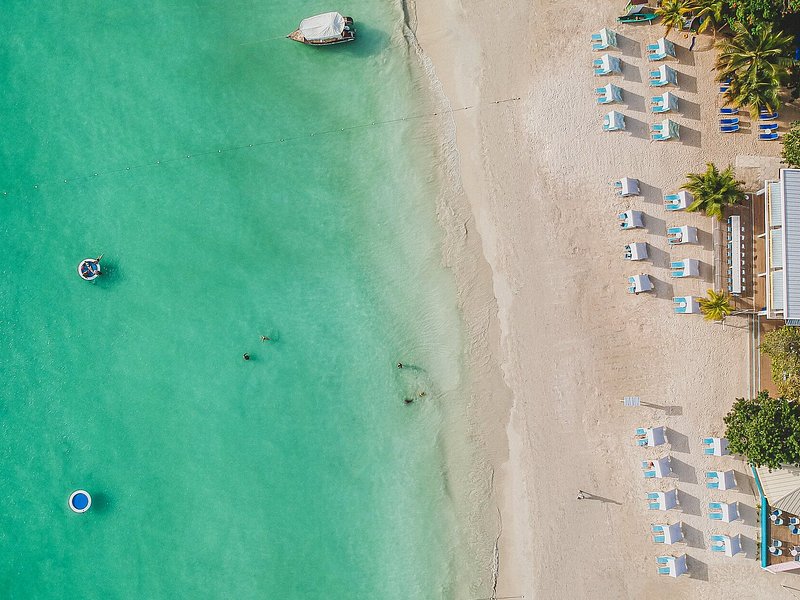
(716,306)
(755,94)
(756,62)
(713,190)
(711,13)
(673,13)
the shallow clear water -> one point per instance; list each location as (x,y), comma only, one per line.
(300,473)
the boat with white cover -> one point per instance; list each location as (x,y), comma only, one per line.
(324,30)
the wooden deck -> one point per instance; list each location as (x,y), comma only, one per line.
(782,533)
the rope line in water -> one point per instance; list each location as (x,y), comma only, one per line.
(304,136)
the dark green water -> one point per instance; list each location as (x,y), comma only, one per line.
(300,473)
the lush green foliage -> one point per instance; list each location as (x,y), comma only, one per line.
(712,13)
(754,13)
(765,430)
(756,62)
(791,146)
(673,12)
(715,306)
(714,190)
(783,348)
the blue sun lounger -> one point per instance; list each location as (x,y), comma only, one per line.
(712,485)
(767,116)
(717,538)
(723,89)
(728,111)
(712,475)
(731,121)
(772,135)
(654,506)
(662,560)
(599,46)
(715,516)
(652,495)
(717,505)
(657,528)
(729,128)
(707,441)
(597,62)
(596,37)
(641,442)
(649,474)
(768,126)
(664,570)
(659,539)
(708,452)
(718,548)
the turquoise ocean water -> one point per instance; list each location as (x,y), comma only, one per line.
(300,474)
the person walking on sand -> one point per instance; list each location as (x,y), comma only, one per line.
(583,495)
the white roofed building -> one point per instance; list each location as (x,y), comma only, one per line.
(781,276)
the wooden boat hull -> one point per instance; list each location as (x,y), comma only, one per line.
(298,37)
(637,18)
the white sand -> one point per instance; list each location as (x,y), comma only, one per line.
(545,301)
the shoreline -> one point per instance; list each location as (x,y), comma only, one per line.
(467,239)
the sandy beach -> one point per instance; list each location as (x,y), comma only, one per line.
(555,339)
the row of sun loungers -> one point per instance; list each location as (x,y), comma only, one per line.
(766,131)
(606,39)
(669,534)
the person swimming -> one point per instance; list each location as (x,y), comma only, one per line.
(246,356)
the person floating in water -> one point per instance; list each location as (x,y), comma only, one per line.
(408,400)
(246,356)
(399,365)
(264,338)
